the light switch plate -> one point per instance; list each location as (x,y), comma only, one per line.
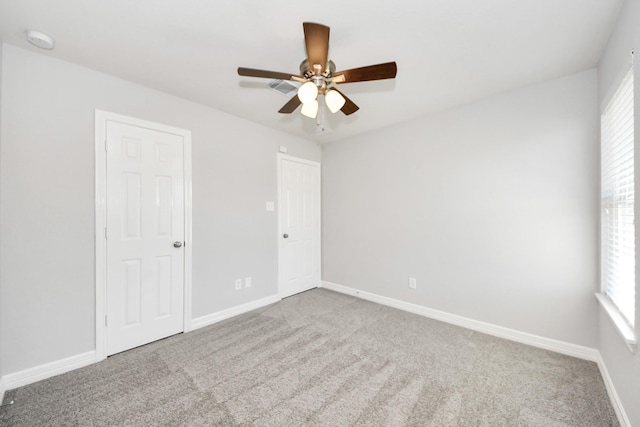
(271,206)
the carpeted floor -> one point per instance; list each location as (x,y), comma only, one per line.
(322,359)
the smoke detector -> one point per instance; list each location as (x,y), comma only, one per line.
(40,40)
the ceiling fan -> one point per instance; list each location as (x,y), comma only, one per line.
(318,74)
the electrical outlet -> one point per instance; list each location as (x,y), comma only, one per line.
(412,282)
(247,282)
(238,284)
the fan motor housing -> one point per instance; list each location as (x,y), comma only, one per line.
(320,79)
(307,72)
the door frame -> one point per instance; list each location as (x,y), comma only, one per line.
(281,157)
(101,119)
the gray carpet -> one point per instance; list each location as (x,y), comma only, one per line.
(322,359)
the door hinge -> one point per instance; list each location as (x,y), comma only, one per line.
(105,320)
(105,232)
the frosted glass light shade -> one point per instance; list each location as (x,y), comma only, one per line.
(334,100)
(310,109)
(308,92)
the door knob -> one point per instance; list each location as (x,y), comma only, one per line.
(177,244)
(285,236)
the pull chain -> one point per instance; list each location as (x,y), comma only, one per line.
(321,113)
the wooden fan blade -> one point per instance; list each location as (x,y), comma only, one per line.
(290,106)
(252,72)
(387,70)
(316,38)
(349,106)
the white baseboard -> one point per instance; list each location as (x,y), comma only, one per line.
(3,388)
(48,370)
(38,373)
(562,347)
(210,319)
(568,349)
(613,394)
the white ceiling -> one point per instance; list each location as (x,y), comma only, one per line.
(448,52)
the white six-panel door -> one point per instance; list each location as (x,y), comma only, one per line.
(144,235)
(299,248)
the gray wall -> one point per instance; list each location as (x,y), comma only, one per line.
(47,202)
(492,207)
(1,368)
(623,366)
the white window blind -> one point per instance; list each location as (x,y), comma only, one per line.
(617,227)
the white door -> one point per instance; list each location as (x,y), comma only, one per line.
(145,235)
(299,219)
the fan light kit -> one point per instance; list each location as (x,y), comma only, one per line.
(317,73)
(40,40)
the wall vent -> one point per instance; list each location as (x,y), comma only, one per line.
(285,87)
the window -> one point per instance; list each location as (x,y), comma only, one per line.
(617,203)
